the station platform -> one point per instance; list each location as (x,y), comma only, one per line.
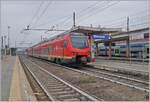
(118,65)
(123,59)
(14,84)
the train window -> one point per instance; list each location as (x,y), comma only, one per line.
(50,48)
(116,50)
(148,50)
(65,44)
(45,50)
(79,41)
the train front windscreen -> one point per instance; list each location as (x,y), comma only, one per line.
(79,40)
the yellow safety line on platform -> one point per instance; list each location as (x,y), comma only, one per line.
(15,90)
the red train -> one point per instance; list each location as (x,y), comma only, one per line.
(70,48)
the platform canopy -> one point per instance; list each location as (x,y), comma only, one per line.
(114,39)
(123,36)
(95,30)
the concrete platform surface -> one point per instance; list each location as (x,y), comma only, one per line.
(143,68)
(123,59)
(15,86)
(7,65)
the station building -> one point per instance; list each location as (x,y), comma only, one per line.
(137,41)
(134,43)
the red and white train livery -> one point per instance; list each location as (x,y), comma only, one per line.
(70,48)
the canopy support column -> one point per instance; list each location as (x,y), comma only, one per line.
(109,54)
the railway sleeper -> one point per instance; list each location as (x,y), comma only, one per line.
(43,97)
(64,92)
(58,87)
(55,84)
(66,96)
(72,99)
(38,93)
(75,96)
(58,90)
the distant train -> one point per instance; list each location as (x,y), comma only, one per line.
(136,50)
(70,48)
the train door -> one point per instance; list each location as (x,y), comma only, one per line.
(64,47)
(61,49)
(117,51)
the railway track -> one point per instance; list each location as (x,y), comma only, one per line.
(55,88)
(130,82)
(37,88)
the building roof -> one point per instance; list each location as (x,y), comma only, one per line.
(122,36)
(93,30)
(133,31)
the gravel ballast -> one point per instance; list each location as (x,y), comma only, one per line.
(100,88)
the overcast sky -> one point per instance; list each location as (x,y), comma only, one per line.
(45,14)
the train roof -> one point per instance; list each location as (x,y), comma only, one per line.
(52,38)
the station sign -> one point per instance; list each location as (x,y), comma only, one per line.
(100,37)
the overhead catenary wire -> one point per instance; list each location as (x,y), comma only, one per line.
(121,19)
(36,13)
(81,11)
(89,8)
(38,17)
(60,19)
(43,12)
(133,20)
(133,17)
(65,18)
(101,10)
(97,7)
(132,26)
(69,18)
(103,7)
(97,10)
